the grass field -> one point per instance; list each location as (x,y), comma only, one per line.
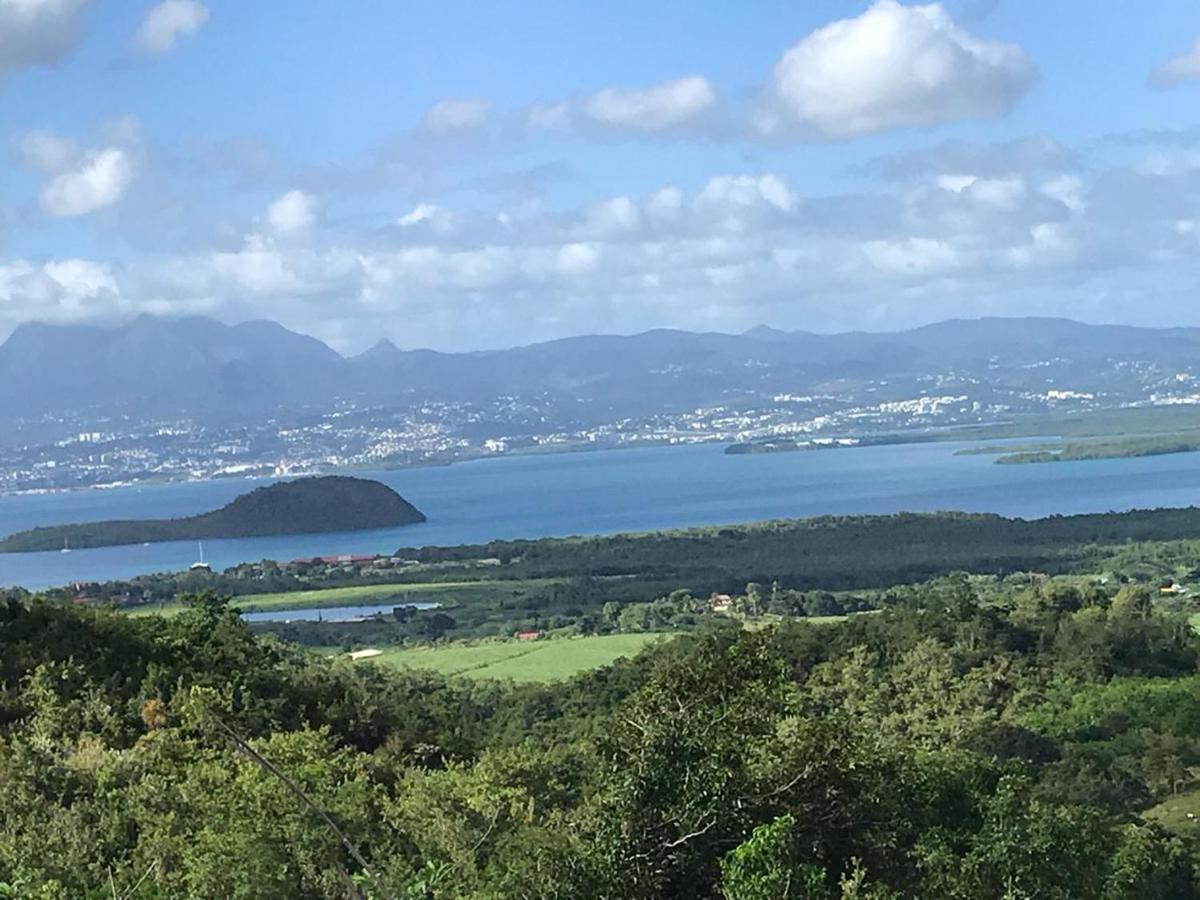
(364,595)
(546,660)
(1173,813)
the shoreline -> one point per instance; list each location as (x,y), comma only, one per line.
(541,450)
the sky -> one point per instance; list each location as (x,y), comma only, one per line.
(461,175)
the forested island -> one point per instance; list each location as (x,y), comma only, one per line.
(789,445)
(1070,451)
(303,506)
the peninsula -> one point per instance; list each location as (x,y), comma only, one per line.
(304,506)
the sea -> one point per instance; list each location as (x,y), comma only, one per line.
(608,491)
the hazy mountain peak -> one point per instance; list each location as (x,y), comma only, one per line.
(382,349)
(766,333)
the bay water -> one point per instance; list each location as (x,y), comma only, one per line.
(608,491)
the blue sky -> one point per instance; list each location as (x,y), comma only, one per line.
(465,175)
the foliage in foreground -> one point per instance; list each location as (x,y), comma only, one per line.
(944,749)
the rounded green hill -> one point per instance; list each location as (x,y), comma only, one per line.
(304,506)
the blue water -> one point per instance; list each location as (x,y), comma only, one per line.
(608,491)
(334,614)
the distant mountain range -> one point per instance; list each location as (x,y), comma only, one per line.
(154,368)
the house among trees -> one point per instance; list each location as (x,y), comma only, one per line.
(720,603)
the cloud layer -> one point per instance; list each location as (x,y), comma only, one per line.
(959,229)
(166,22)
(38,32)
(477,225)
(1178,69)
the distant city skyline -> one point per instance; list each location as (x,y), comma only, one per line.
(464,176)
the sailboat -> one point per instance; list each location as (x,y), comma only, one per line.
(66,546)
(201,566)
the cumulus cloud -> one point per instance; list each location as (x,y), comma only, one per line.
(681,105)
(427,217)
(59,290)
(1023,155)
(95,182)
(167,22)
(47,152)
(617,216)
(746,191)
(83,178)
(292,212)
(38,32)
(456,115)
(1178,69)
(656,108)
(891,67)
(965,232)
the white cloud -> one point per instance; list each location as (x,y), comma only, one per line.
(422,212)
(59,290)
(1178,69)
(665,203)
(955,183)
(911,256)
(658,108)
(578,258)
(98,180)
(613,217)
(428,217)
(1001,193)
(38,32)
(456,115)
(168,21)
(892,66)
(549,116)
(961,233)
(1069,190)
(747,190)
(293,212)
(47,152)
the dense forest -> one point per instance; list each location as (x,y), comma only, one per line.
(953,745)
(839,552)
(320,504)
(826,553)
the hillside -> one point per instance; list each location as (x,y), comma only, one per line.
(975,738)
(331,503)
(153,367)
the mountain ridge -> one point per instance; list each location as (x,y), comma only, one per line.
(155,369)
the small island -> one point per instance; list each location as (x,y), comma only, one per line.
(1084,450)
(304,506)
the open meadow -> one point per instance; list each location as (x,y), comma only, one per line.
(445,593)
(542,660)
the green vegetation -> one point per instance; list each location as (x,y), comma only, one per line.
(978,738)
(1161,426)
(1179,813)
(1102,423)
(784,445)
(329,503)
(1032,729)
(1066,451)
(623,583)
(441,592)
(834,553)
(538,660)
